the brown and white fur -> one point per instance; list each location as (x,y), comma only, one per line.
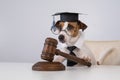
(75,38)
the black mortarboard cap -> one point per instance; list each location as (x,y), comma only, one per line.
(68,16)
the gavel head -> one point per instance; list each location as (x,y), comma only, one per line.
(49,49)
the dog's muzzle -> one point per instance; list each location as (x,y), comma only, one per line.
(61,38)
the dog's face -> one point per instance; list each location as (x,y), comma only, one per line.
(69,31)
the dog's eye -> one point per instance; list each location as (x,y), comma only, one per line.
(59,28)
(55,30)
(70,27)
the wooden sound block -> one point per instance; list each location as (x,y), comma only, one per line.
(48,66)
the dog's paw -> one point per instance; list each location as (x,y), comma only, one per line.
(86,58)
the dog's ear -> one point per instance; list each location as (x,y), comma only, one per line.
(82,25)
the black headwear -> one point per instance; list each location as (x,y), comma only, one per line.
(66,16)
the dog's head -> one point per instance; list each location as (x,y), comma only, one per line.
(69,31)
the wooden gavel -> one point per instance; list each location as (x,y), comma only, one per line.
(49,51)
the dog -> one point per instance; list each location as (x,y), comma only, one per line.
(72,34)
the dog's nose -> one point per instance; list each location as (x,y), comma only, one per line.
(61,37)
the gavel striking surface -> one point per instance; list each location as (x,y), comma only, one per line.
(48,66)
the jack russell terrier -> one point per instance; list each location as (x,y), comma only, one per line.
(70,36)
(70,33)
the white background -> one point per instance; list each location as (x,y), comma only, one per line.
(24,24)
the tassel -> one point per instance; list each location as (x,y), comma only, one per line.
(53,25)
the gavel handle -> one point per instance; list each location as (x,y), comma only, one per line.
(73,58)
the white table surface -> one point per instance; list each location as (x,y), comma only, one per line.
(23,71)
